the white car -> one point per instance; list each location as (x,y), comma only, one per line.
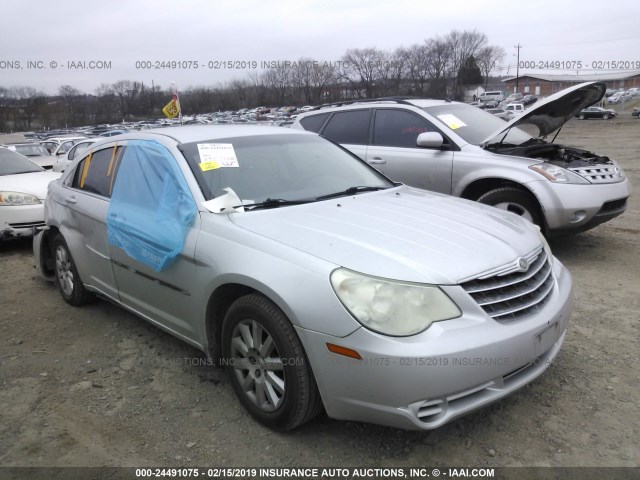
(23,189)
(64,161)
(61,145)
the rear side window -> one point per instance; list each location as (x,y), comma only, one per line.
(97,171)
(397,128)
(313,123)
(349,127)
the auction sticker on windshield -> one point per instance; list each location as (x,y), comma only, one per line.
(452,121)
(217,155)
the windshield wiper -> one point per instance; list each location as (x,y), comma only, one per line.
(274,203)
(350,191)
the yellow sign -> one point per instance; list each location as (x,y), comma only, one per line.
(171,109)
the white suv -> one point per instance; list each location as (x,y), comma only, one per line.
(460,150)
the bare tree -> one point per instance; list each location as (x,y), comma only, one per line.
(489,58)
(361,69)
(29,102)
(463,45)
(437,65)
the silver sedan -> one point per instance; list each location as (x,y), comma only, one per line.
(310,277)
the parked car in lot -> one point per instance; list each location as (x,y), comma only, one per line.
(312,278)
(23,189)
(515,108)
(529,100)
(61,145)
(64,161)
(596,112)
(500,113)
(457,149)
(34,152)
(635,112)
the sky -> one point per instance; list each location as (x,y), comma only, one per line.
(45,44)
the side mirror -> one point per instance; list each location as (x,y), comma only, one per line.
(430,140)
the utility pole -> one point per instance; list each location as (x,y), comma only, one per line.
(517,65)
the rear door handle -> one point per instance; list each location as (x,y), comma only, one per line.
(377,161)
(71,199)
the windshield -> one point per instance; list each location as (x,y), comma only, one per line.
(12,163)
(473,124)
(284,166)
(30,149)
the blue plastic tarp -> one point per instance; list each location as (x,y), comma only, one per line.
(151,206)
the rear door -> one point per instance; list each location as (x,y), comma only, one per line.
(351,129)
(394,151)
(86,198)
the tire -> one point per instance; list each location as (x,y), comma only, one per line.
(256,337)
(66,276)
(605,117)
(581,116)
(515,200)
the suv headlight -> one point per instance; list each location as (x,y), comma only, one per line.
(557,174)
(391,307)
(13,199)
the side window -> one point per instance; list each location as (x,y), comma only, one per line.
(397,128)
(350,128)
(314,122)
(65,147)
(96,173)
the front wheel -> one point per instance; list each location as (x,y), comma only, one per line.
(67,279)
(605,117)
(514,200)
(266,364)
(581,116)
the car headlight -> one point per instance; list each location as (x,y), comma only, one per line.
(557,174)
(391,307)
(13,199)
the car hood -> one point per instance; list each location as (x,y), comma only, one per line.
(43,160)
(553,112)
(402,233)
(35,183)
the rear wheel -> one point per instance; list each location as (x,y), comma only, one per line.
(514,200)
(581,116)
(67,279)
(266,364)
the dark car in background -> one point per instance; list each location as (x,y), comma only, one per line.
(529,100)
(596,112)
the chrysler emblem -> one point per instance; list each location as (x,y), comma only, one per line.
(523,264)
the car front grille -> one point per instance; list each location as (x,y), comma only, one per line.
(600,173)
(613,206)
(514,295)
(27,224)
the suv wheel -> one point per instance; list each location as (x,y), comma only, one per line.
(67,279)
(514,200)
(266,364)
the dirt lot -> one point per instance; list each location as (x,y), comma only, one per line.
(96,386)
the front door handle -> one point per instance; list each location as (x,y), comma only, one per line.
(71,199)
(377,161)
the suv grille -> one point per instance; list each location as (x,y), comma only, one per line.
(600,173)
(514,295)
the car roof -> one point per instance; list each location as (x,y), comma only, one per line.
(194,133)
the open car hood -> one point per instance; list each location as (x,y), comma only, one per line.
(553,112)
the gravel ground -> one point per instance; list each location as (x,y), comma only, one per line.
(96,386)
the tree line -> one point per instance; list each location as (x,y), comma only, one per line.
(439,67)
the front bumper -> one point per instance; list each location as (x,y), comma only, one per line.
(19,221)
(454,367)
(576,208)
